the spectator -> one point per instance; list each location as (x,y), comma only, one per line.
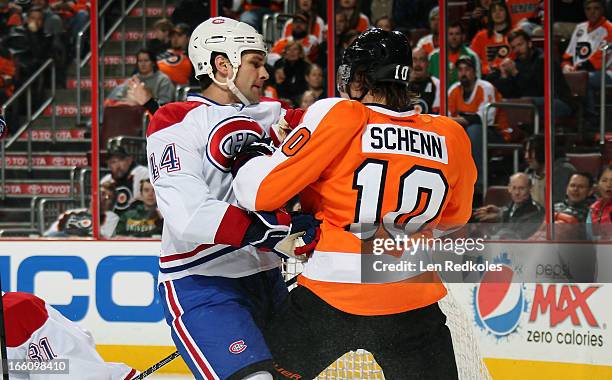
(577,197)
(583,51)
(299,33)
(161,37)
(430,41)
(356,21)
(146,72)
(10,16)
(276,79)
(126,174)
(385,23)
(74,15)
(314,80)
(491,44)
(79,222)
(571,214)
(456,49)
(174,62)
(315,24)
(478,18)
(599,220)
(307,99)
(30,47)
(294,68)
(426,86)
(466,104)
(54,27)
(142,218)
(524,76)
(521,218)
(535,149)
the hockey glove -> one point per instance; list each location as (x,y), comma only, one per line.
(278,231)
(263,147)
(289,122)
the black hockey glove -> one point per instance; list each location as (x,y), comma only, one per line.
(276,231)
(263,147)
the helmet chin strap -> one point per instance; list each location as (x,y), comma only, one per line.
(229,83)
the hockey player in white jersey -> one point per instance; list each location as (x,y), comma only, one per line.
(219,278)
(37,334)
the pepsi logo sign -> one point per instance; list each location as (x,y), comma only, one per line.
(498,303)
(237,347)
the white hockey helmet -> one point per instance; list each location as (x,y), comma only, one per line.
(223,35)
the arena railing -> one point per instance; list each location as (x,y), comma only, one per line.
(105,37)
(31,116)
(602,93)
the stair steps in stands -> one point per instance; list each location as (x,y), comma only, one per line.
(53,161)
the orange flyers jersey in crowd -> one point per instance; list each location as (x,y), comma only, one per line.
(309,43)
(490,49)
(522,9)
(317,28)
(176,65)
(483,93)
(586,43)
(354,165)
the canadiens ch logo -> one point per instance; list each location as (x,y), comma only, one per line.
(228,137)
(237,347)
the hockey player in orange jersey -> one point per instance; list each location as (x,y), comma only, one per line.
(368,161)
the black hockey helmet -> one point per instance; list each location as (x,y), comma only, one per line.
(385,57)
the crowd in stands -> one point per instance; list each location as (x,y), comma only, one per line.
(494,53)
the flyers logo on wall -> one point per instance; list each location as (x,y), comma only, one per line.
(544,314)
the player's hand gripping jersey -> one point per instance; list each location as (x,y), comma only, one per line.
(352,164)
(190,146)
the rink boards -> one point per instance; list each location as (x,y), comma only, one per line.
(532,330)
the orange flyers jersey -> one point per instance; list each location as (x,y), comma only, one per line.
(176,65)
(483,93)
(491,50)
(309,43)
(355,164)
(522,9)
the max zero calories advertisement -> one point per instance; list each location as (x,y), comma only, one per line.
(556,322)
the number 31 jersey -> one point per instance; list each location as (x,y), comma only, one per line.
(356,165)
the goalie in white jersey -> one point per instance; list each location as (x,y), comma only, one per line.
(38,333)
(217,285)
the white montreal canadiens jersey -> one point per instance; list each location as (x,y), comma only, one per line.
(190,146)
(36,332)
